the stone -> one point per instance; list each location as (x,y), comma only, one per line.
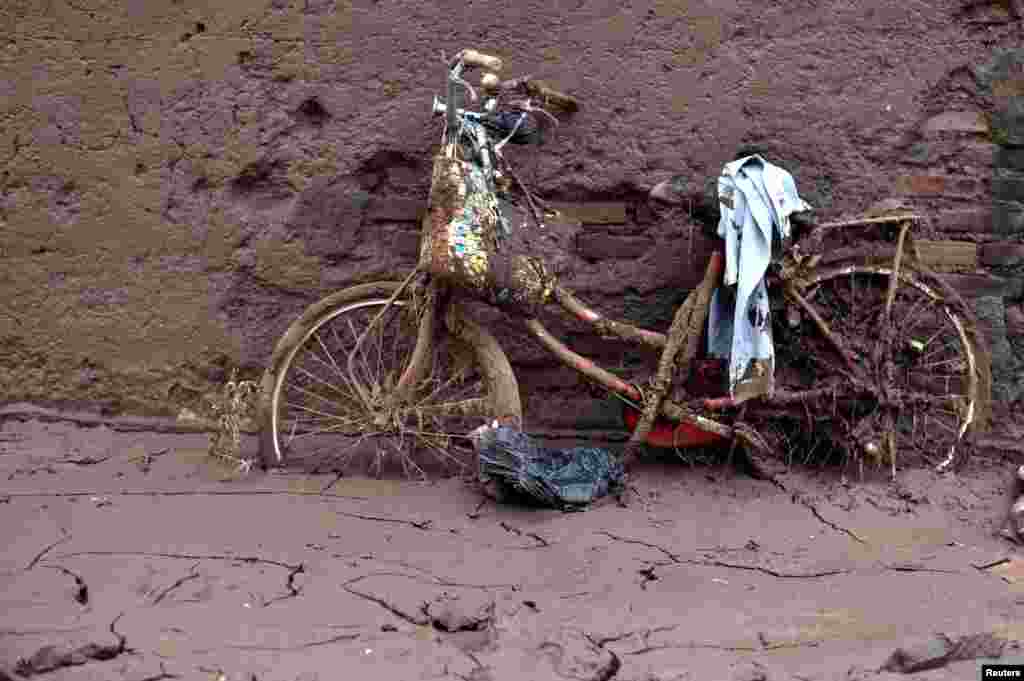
(1010,158)
(965,220)
(599,246)
(1008,186)
(1005,67)
(936,185)
(1015,321)
(923,185)
(1002,254)
(406,243)
(594,212)
(971,122)
(888,206)
(1008,120)
(644,214)
(1007,218)
(469,611)
(1007,380)
(972,286)
(396,210)
(948,256)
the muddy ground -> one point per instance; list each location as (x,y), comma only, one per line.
(173,566)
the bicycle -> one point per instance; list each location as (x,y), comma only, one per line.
(874,351)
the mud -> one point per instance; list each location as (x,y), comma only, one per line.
(135,555)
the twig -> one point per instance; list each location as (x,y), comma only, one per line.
(39,556)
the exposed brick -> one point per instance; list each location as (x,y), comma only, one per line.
(406,243)
(1010,158)
(396,209)
(978,154)
(1010,87)
(604,246)
(1002,254)
(644,214)
(921,185)
(1007,218)
(970,122)
(1008,187)
(966,185)
(984,286)
(1015,321)
(595,212)
(966,220)
(948,256)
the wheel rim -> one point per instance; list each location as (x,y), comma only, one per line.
(318,416)
(931,361)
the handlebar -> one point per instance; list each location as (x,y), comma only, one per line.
(484,61)
(489,82)
(533,88)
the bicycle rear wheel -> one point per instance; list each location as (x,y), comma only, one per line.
(930,363)
(321,413)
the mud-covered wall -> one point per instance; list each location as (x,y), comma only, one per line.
(179,179)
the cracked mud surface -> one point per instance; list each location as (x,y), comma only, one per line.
(132,555)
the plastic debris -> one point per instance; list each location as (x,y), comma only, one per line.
(559,478)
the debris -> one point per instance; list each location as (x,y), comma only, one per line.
(574,656)
(942,650)
(466,612)
(235,404)
(50,658)
(565,478)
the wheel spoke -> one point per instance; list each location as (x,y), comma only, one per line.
(320,406)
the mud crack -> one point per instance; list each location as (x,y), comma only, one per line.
(676,559)
(187,493)
(49,547)
(607,673)
(768,571)
(417,620)
(178,582)
(512,529)
(81,588)
(716,646)
(289,584)
(302,646)
(418,524)
(798,498)
(293,591)
(914,567)
(817,514)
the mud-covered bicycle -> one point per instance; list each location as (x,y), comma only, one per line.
(874,352)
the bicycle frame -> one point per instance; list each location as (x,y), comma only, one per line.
(527,283)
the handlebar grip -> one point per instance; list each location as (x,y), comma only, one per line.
(485,61)
(548,95)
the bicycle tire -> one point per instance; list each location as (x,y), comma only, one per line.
(466,348)
(928,430)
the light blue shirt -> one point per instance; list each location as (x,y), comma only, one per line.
(756,199)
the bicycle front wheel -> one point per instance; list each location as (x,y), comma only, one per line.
(329,406)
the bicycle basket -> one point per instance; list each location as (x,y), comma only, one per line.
(460,231)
